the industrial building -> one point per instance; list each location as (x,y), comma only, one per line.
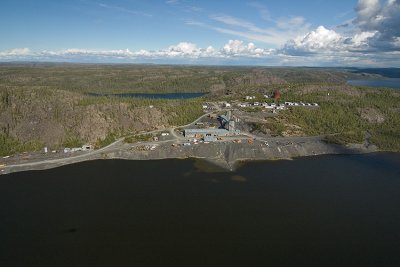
(211,134)
(203,132)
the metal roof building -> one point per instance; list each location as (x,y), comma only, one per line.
(204,132)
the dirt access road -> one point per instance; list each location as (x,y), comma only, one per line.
(119,145)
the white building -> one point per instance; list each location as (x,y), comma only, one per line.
(87,147)
(281,107)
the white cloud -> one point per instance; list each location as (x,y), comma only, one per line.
(384,20)
(317,41)
(87,52)
(195,23)
(238,48)
(124,10)
(283,29)
(182,50)
(142,53)
(233,52)
(234,48)
(360,40)
(377,30)
(374,41)
(366,10)
(272,38)
(17,52)
(237,22)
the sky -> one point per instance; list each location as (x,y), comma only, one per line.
(363,33)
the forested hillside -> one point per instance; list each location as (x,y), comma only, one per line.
(48,104)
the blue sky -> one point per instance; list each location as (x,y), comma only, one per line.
(286,32)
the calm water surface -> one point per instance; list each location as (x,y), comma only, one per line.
(319,211)
(389,83)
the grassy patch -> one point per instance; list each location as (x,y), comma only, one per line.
(10,145)
(72,141)
(274,127)
(110,138)
(138,138)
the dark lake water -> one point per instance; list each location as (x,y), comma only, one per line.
(389,83)
(317,211)
(155,96)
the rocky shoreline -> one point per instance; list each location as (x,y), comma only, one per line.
(226,155)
